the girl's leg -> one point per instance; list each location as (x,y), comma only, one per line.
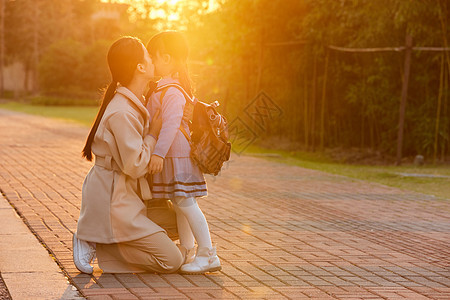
(195,218)
(206,259)
(184,230)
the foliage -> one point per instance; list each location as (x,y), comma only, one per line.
(93,73)
(32,26)
(362,92)
(58,65)
(278,46)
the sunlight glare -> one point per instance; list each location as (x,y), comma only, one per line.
(169,2)
(138,3)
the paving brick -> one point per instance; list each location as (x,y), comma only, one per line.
(153,280)
(100,297)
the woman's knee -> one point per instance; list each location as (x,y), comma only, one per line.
(172,261)
(167,255)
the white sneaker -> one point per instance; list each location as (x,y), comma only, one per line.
(83,254)
(205,261)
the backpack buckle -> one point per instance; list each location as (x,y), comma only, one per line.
(215,104)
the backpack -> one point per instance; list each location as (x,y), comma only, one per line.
(210,147)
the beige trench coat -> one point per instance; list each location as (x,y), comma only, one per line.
(112,209)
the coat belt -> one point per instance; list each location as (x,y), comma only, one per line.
(108,163)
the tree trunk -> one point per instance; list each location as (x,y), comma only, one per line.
(438,112)
(2,46)
(444,33)
(363,121)
(401,120)
(305,110)
(36,47)
(372,132)
(313,103)
(260,64)
(443,22)
(322,112)
(446,119)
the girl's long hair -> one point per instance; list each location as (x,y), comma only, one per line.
(123,57)
(174,44)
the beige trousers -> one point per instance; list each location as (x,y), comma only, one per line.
(153,253)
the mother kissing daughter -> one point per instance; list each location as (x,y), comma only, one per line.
(113,222)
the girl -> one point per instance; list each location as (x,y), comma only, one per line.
(113,216)
(180,180)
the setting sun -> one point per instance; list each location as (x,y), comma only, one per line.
(168,10)
(138,2)
(169,2)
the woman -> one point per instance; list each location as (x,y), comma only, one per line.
(113,217)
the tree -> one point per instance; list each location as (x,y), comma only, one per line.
(285,53)
(2,44)
(59,65)
(32,26)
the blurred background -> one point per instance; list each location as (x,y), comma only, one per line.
(360,77)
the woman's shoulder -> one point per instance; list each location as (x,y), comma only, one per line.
(120,105)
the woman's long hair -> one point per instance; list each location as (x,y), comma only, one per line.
(174,44)
(123,57)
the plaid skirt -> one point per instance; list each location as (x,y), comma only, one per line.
(180,177)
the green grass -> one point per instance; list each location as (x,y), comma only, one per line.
(387,175)
(84,115)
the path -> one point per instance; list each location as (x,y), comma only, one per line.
(282,231)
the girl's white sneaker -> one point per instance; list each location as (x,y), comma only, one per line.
(205,261)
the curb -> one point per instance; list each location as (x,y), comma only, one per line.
(26,267)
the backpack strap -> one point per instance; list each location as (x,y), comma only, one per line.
(175,85)
(163,90)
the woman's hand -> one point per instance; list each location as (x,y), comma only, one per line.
(156,124)
(156,164)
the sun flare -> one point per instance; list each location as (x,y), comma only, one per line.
(163,9)
(138,3)
(169,2)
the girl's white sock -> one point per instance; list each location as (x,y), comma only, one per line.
(184,230)
(196,219)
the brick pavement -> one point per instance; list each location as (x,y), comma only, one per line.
(283,232)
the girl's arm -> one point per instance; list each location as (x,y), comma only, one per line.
(172,113)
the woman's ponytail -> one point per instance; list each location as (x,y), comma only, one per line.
(107,97)
(123,57)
